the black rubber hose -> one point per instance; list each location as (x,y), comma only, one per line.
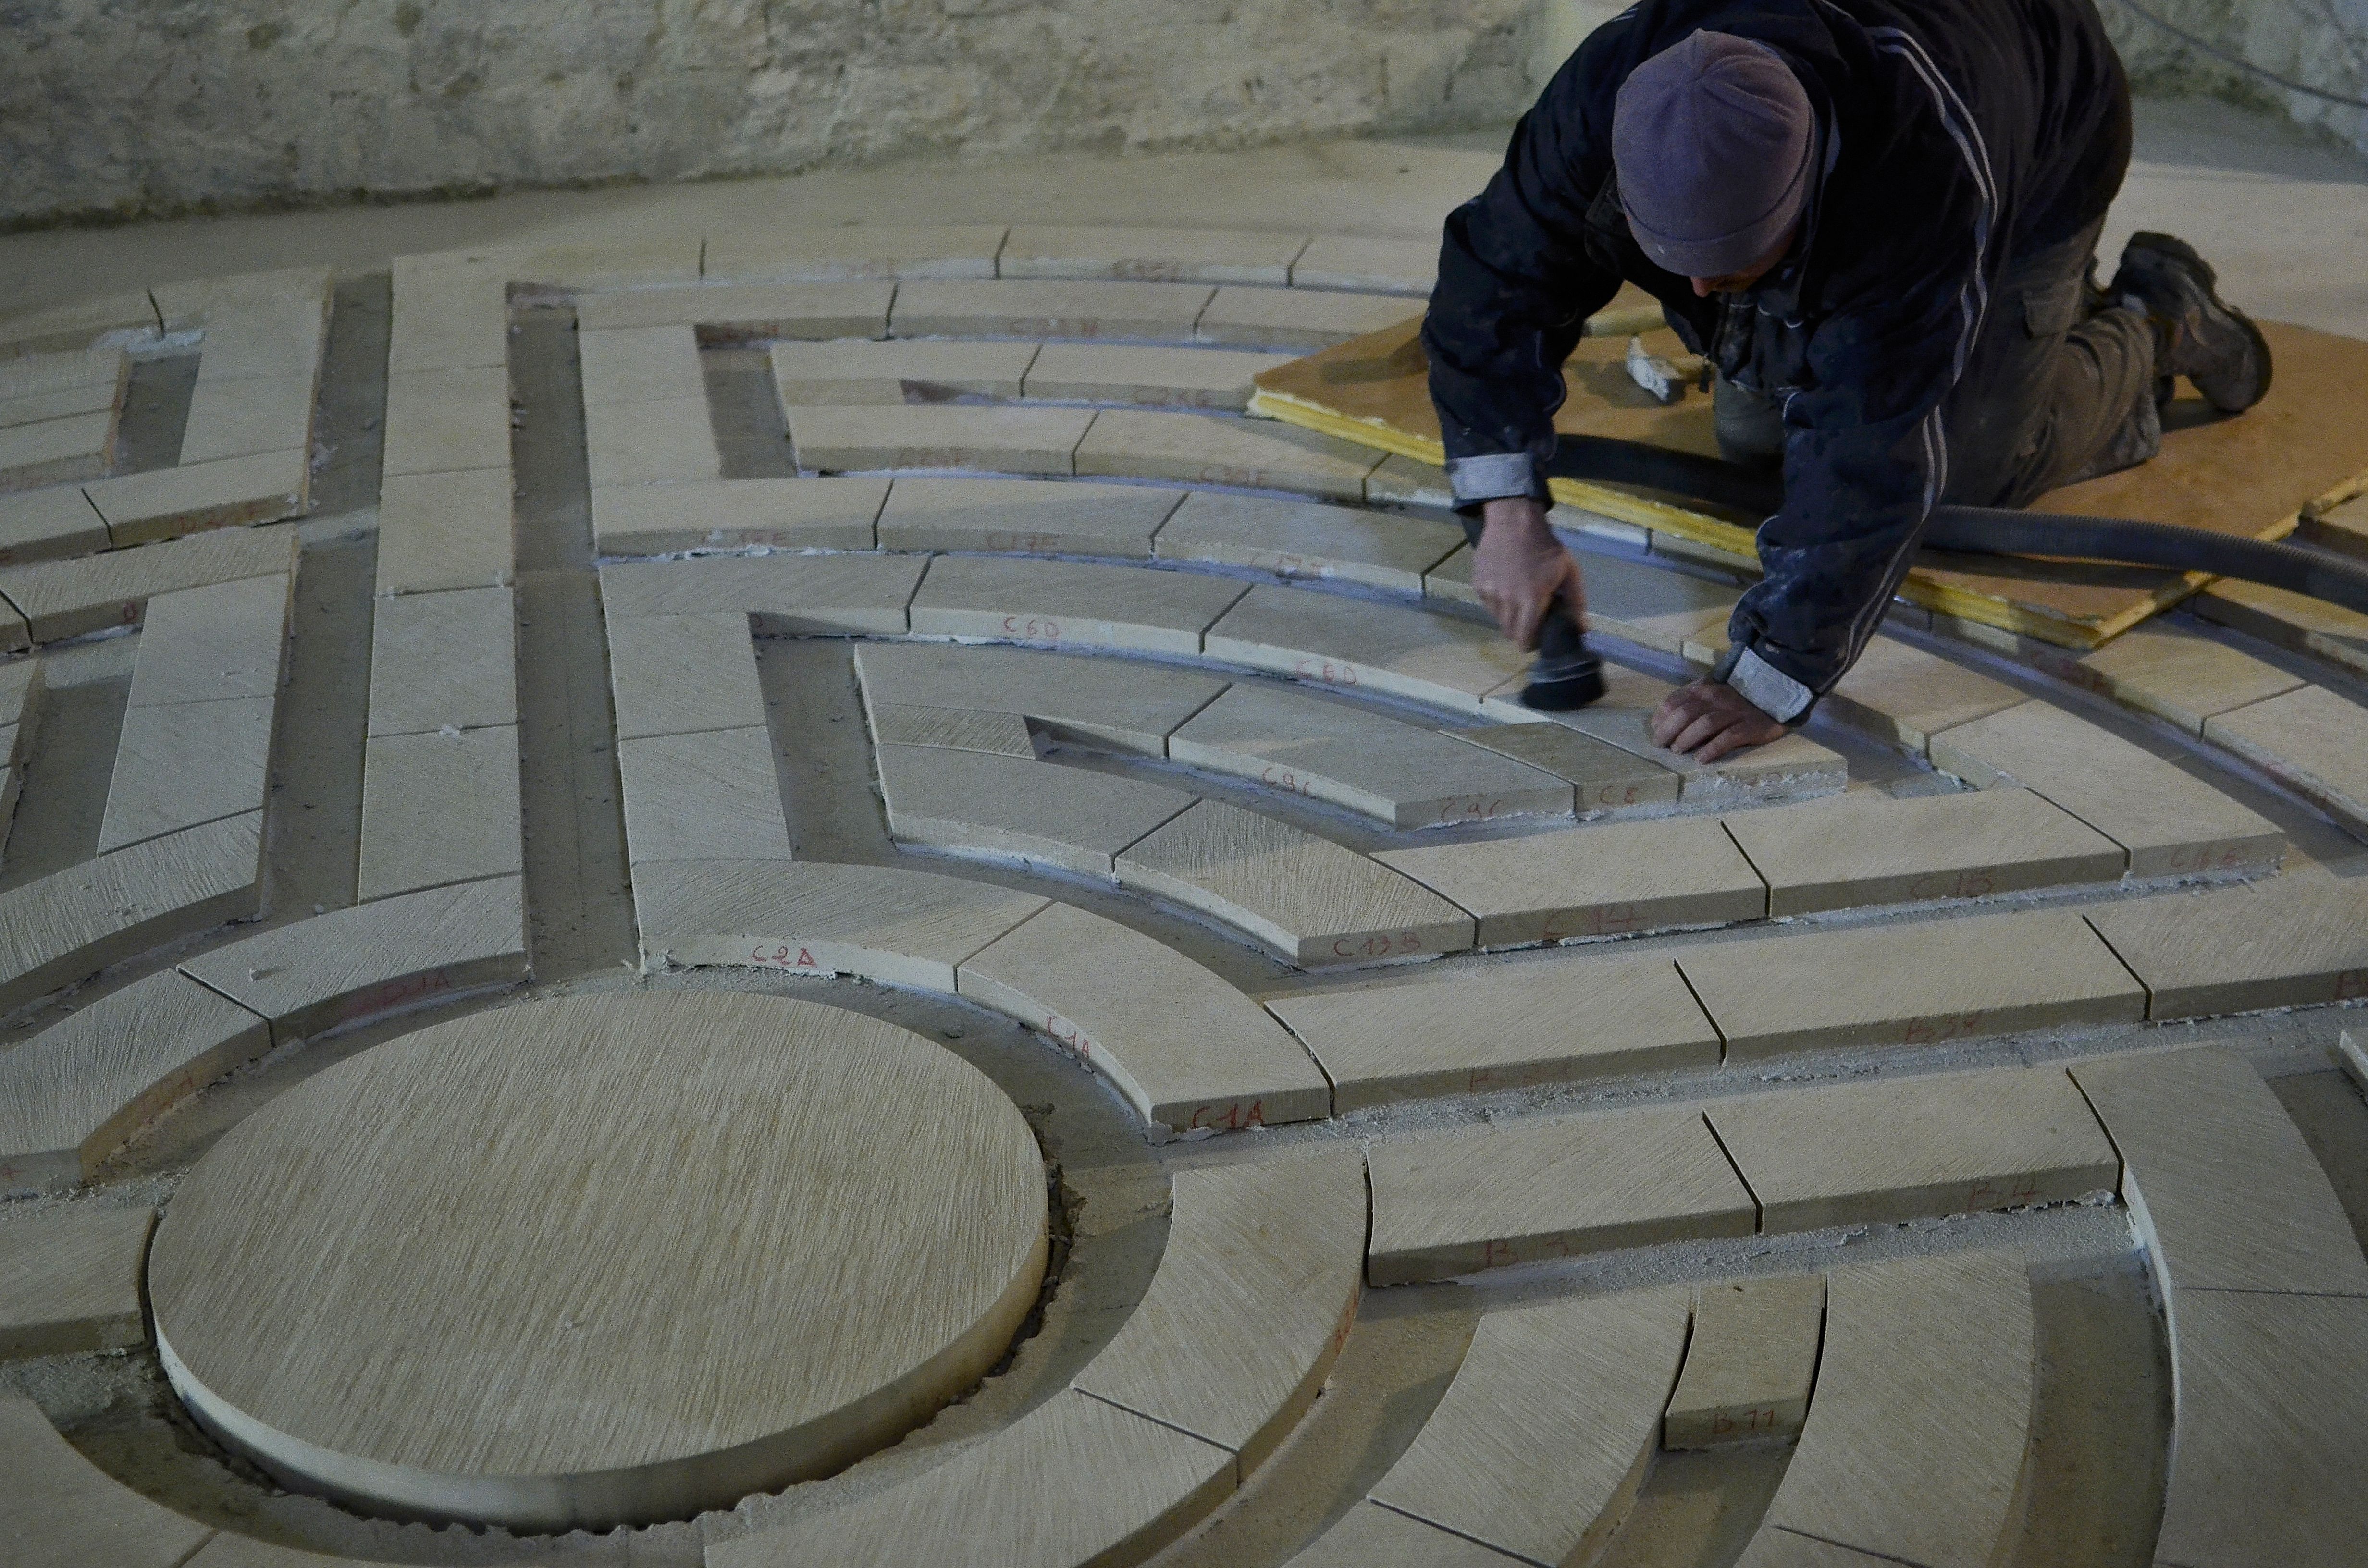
(1992,530)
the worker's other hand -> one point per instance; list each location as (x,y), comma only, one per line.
(1710,718)
(1520,568)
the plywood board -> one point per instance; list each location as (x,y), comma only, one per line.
(1331,639)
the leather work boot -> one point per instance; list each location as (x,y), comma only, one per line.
(2197,335)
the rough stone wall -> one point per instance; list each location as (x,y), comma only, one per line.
(2318,44)
(142,105)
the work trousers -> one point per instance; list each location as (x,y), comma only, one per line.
(2058,387)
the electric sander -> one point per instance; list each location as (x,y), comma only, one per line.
(1564,675)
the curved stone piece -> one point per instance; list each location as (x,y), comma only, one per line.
(765,251)
(1048,308)
(1176,256)
(1070,604)
(1132,706)
(1299,319)
(1331,639)
(1194,448)
(861,439)
(70,1280)
(1149,375)
(1306,538)
(991,805)
(59,1509)
(2300,940)
(736,513)
(798,595)
(1374,267)
(1034,517)
(2313,740)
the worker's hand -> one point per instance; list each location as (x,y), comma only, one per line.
(1710,718)
(1520,568)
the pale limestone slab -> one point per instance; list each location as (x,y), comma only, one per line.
(236,419)
(1484,1030)
(1385,768)
(2178,674)
(1076,1480)
(1128,706)
(246,1552)
(1029,516)
(2307,625)
(731,514)
(1611,879)
(59,1509)
(1297,319)
(898,927)
(1372,266)
(857,370)
(268,342)
(1749,1363)
(66,598)
(1048,308)
(2312,739)
(600,265)
(1369,1536)
(660,442)
(447,317)
(1776,1547)
(1332,640)
(195,761)
(228,492)
(1795,768)
(1914,1447)
(22,682)
(672,675)
(1070,604)
(1603,778)
(1184,1048)
(938,436)
(1653,606)
(71,327)
(2171,824)
(1306,538)
(1175,256)
(219,639)
(962,729)
(747,312)
(70,1281)
(1252,1300)
(57,452)
(62,403)
(1307,899)
(1519,1191)
(448,421)
(1888,1150)
(792,594)
(74,1094)
(301,293)
(2224,1191)
(993,804)
(637,365)
(1149,375)
(1201,449)
(439,808)
(767,250)
(443,659)
(1906,695)
(707,796)
(32,375)
(44,524)
(444,531)
(351,964)
(1402,482)
(2294,942)
(1539,1445)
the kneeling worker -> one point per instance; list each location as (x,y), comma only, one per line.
(1877,220)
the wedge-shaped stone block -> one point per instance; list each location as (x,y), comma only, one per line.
(1297,319)
(2312,739)
(448,421)
(228,492)
(670,441)
(898,927)
(1059,308)
(1250,1304)
(1184,1048)
(58,1507)
(1309,900)
(74,1094)
(1850,850)
(1306,538)
(746,312)
(1541,1440)
(1501,1026)
(938,436)
(673,675)
(1403,774)
(707,796)
(1927,984)
(992,804)
(2307,625)
(237,419)
(1536,1188)
(357,963)
(1614,879)
(66,598)
(1331,639)
(1374,267)
(731,514)
(2294,942)
(44,525)
(1795,768)
(1603,778)
(57,452)
(1894,1149)
(444,531)
(768,250)
(1070,604)
(1155,376)
(221,639)
(855,371)
(2171,823)
(639,365)
(1029,516)
(1906,696)
(1369,1536)
(1196,449)
(192,762)
(1188,255)
(1131,707)
(448,316)
(2179,674)
(962,729)
(1075,1481)
(439,808)
(2224,1191)
(793,595)
(443,659)
(70,1281)
(1749,1363)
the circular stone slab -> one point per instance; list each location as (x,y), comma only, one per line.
(601,1260)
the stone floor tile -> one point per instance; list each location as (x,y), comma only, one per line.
(69,328)
(704,797)
(70,1280)
(2225,1193)
(1795,768)
(788,595)
(731,514)
(1297,319)
(1120,704)
(1610,880)
(447,317)
(746,312)
(57,452)
(1520,1190)
(66,598)
(230,492)
(1671,612)
(859,370)
(58,1507)
(2171,823)
(246,1551)
(639,364)
(898,927)
(1750,1361)
(266,343)
(1172,255)
(1369,1536)
(1031,517)
(1150,375)
(1202,448)
(1250,1304)
(1402,482)
(445,531)
(1868,847)
(1307,899)
(1184,1048)
(1923,984)
(991,805)
(1070,605)
(2178,674)
(1333,639)
(1885,1463)
(22,681)
(672,675)
(44,524)
(2297,941)
(1906,695)
(200,301)
(192,763)
(959,729)
(2307,625)
(938,436)
(74,1094)
(1306,538)
(603,264)
(35,375)
(439,808)
(659,442)
(447,421)
(1888,1150)
(218,640)
(1479,1030)
(237,419)
(1051,308)
(1369,266)
(2312,739)
(1604,778)
(767,250)
(63,402)
(443,659)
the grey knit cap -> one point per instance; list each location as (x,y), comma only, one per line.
(1713,140)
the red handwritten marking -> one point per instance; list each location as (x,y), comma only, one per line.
(2207,857)
(783,957)
(1760,1420)
(1041,629)
(1626,793)
(1070,1035)
(1234,1117)
(1381,945)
